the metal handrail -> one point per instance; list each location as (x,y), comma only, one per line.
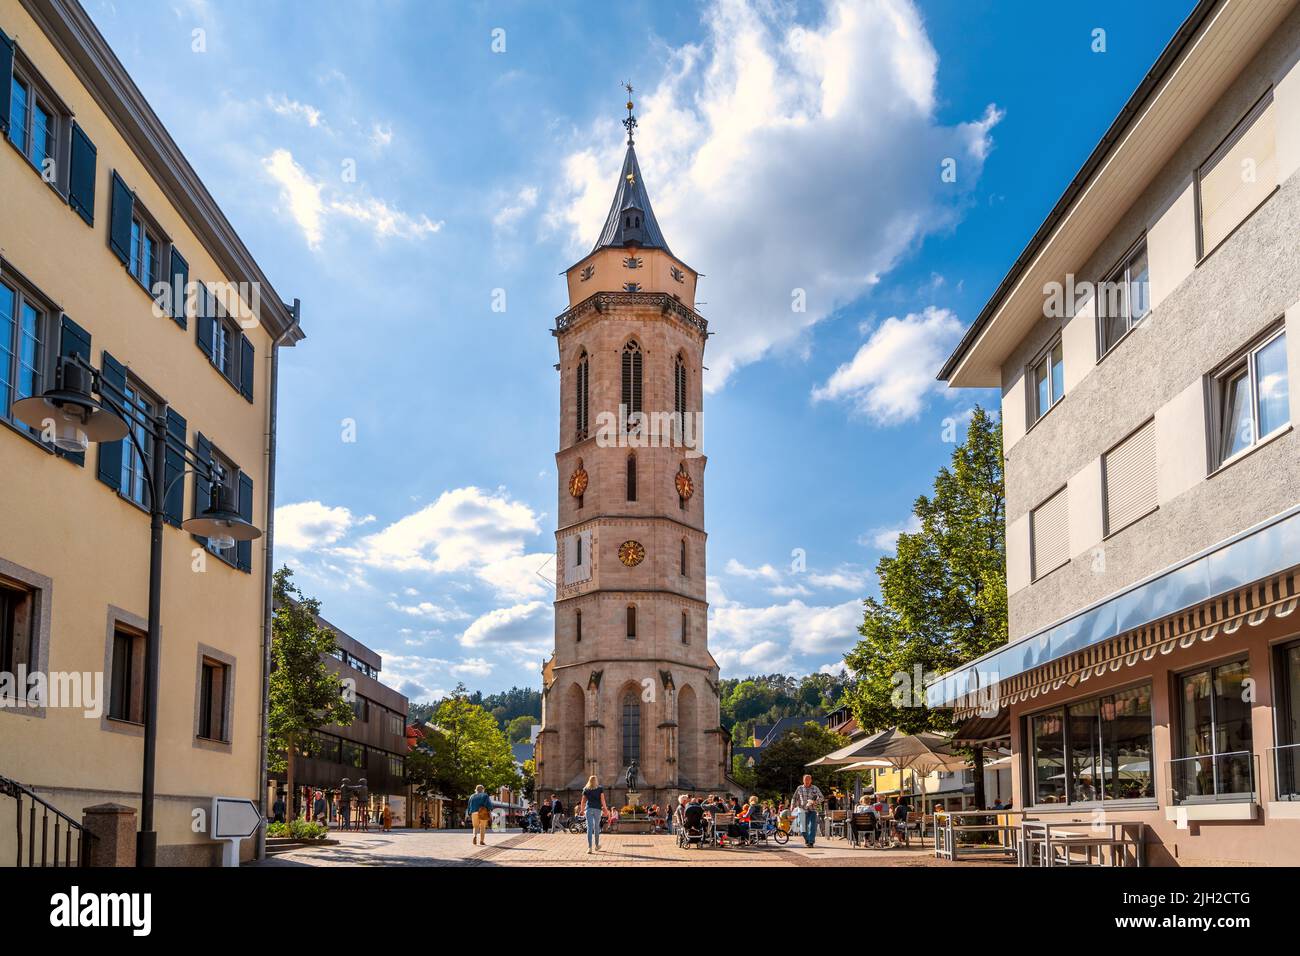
(1289,791)
(11,788)
(1218,793)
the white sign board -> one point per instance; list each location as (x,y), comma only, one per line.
(234,819)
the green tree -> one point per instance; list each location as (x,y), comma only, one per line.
(783,764)
(519,729)
(943,596)
(469,748)
(304,693)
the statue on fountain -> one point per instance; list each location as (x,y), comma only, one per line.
(630,776)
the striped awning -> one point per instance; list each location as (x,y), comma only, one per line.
(1222,617)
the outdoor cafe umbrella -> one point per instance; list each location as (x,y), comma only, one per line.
(855,751)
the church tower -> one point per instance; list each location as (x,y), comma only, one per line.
(631,677)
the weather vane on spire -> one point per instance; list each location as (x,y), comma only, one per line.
(630,122)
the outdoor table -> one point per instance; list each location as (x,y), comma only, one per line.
(951,825)
(1040,842)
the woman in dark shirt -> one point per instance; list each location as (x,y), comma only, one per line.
(594,806)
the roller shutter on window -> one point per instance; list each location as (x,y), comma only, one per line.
(1050,526)
(1239,176)
(1129,473)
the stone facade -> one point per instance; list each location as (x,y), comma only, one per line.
(614,690)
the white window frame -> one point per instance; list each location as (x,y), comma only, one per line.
(58,136)
(144,404)
(1243,362)
(48,331)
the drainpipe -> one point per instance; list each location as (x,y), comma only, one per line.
(269,569)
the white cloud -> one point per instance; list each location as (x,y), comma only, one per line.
(283,106)
(471,667)
(515,209)
(310,524)
(783,157)
(307,202)
(520,577)
(299,192)
(843,578)
(745,639)
(892,373)
(764,572)
(464,529)
(525,629)
(429,610)
(381,136)
(886,539)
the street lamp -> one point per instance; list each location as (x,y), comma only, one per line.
(73,417)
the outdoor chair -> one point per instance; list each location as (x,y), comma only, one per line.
(721,822)
(862,828)
(837,823)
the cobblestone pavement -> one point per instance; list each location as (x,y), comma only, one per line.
(453,848)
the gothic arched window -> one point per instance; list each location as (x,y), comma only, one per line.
(631,622)
(580,381)
(631,477)
(632,384)
(631,727)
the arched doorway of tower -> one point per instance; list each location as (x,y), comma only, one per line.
(573,740)
(688,738)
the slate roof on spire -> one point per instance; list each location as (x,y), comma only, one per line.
(631,195)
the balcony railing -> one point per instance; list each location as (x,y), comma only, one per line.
(1213,778)
(1286,771)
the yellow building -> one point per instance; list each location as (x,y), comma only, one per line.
(99,212)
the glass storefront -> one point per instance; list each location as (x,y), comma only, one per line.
(1093,750)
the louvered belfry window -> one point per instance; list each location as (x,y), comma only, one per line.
(679,396)
(1049,525)
(581,384)
(632,384)
(1129,473)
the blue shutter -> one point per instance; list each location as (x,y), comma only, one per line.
(203,320)
(180,278)
(81,177)
(119,219)
(202,487)
(110,453)
(6,78)
(173,469)
(244,549)
(245,367)
(73,340)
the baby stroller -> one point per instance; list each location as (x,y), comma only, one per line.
(694,828)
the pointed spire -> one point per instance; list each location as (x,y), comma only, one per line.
(631,221)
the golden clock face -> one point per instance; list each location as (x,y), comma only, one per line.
(685,487)
(578,483)
(631,553)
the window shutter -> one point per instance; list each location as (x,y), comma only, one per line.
(1050,528)
(1129,471)
(245,367)
(119,219)
(203,319)
(202,486)
(244,549)
(81,178)
(73,340)
(173,468)
(110,453)
(1228,195)
(6,77)
(180,274)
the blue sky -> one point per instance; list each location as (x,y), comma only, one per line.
(394,164)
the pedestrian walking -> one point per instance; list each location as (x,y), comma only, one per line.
(808,797)
(594,806)
(480,814)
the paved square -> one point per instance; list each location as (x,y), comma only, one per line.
(453,848)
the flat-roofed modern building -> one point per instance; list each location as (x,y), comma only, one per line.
(1145,345)
(99,208)
(373,747)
